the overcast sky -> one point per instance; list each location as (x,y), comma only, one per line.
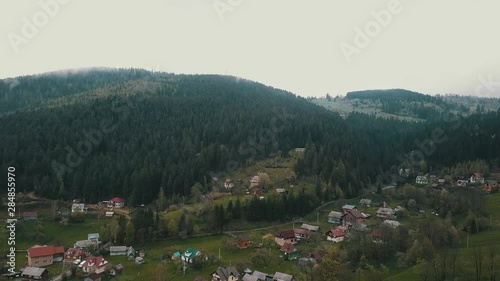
(307,47)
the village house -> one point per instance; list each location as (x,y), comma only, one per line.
(116,202)
(118,250)
(359,227)
(365,202)
(93,277)
(279,276)
(353,216)
(73,254)
(462,183)
(63,212)
(441,181)
(242,242)
(335,217)
(228,183)
(317,255)
(491,185)
(385,212)
(335,235)
(289,252)
(255,181)
(227,273)
(30,216)
(142,253)
(176,256)
(285,236)
(85,244)
(116,269)
(309,227)
(477,178)
(39,256)
(95,265)
(189,255)
(281,191)
(130,253)
(392,223)
(35,273)
(77,208)
(347,207)
(301,233)
(423,180)
(257,276)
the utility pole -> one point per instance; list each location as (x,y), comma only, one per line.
(317,218)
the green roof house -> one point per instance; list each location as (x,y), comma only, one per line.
(189,254)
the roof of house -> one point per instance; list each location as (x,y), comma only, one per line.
(317,254)
(95,261)
(118,266)
(278,276)
(30,214)
(286,234)
(260,275)
(74,252)
(334,214)
(479,175)
(490,181)
(249,277)
(356,214)
(392,223)
(348,207)
(84,243)
(33,271)
(337,232)
(301,231)
(225,272)
(118,200)
(243,238)
(388,211)
(190,252)
(310,227)
(359,227)
(118,248)
(288,248)
(42,251)
(365,201)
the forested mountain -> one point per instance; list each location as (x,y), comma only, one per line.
(129,132)
(129,138)
(29,91)
(407,105)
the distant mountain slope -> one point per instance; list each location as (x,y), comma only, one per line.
(406,105)
(30,91)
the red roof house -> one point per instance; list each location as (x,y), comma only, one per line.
(335,235)
(116,202)
(95,264)
(39,256)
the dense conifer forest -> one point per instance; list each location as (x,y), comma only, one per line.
(129,132)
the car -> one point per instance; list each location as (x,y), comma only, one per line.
(77,261)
